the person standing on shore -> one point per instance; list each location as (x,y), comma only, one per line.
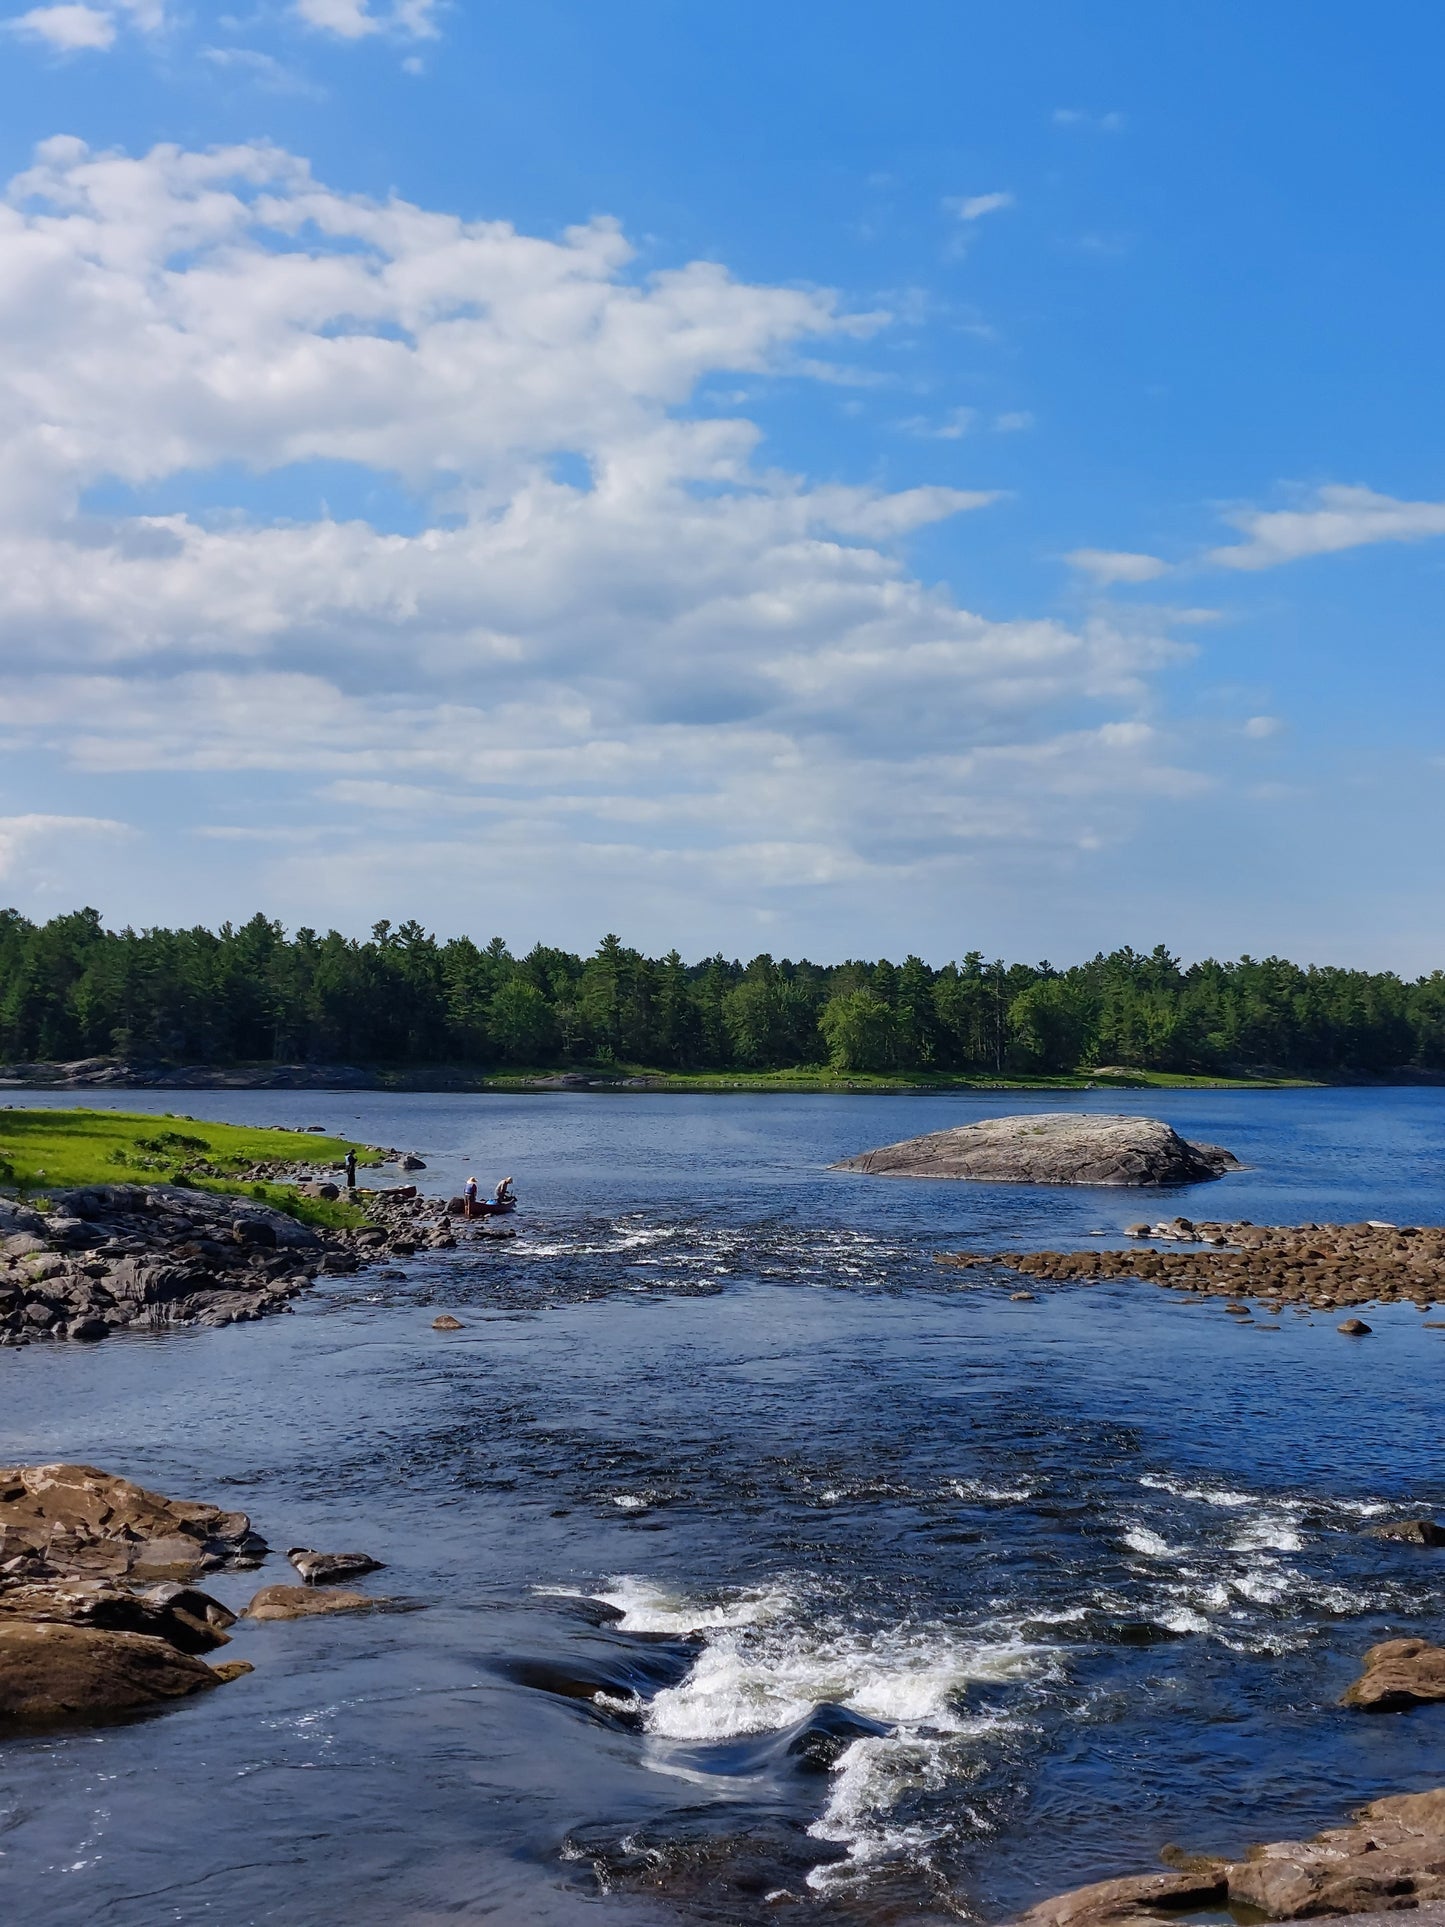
(469,1198)
(351,1170)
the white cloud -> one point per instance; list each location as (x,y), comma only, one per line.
(618,645)
(68,29)
(354,19)
(1258,728)
(1116,565)
(30,841)
(977,205)
(1337,518)
(1014,421)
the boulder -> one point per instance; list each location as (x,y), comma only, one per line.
(322,1568)
(1411,1532)
(1355,1328)
(1391,1857)
(189,1620)
(298,1602)
(54,1674)
(1135,1899)
(1399,1673)
(1061,1147)
(446,1323)
(89,1523)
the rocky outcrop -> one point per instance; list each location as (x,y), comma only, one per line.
(74,1521)
(1319,1265)
(1399,1673)
(1391,1858)
(300,1602)
(185,1618)
(107,1256)
(82,1636)
(1135,1900)
(1063,1147)
(55,1674)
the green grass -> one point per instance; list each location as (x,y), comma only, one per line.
(43,1150)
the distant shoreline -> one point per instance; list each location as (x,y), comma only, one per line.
(99,1074)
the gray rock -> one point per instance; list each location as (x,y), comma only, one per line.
(1061,1147)
(323,1568)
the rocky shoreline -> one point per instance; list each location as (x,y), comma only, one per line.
(103,1257)
(100,1613)
(1314,1267)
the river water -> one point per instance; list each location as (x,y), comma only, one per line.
(745,1562)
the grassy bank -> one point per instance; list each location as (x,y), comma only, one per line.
(45,1150)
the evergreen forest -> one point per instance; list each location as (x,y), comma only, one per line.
(249,993)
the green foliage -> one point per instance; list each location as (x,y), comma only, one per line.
(249,993)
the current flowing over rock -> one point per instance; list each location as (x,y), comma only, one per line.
(1052,1147)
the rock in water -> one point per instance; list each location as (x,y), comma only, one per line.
(446,1323)
(1411,1532)
(1399,1673)
(53,1674)
(320,1568)
(1054,1147)
(83,1522)
(299,1602)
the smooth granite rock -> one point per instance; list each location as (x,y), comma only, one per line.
(1052,1147)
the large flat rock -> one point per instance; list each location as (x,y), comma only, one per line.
(1052,1147)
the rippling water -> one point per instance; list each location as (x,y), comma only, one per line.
(743,1558)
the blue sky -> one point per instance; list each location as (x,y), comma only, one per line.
(832,480)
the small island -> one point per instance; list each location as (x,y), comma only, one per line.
(1051,1147)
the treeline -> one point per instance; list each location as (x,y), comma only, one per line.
(71,988)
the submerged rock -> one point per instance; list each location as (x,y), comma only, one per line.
(1400,1673)
(1059,1147)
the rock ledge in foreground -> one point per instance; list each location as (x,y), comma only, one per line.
(1052,1147)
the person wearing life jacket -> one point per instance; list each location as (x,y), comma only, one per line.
(469,1198)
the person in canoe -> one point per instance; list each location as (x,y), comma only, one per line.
(506,1197)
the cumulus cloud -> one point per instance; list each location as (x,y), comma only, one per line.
(613,641)
(67,29)
(34,841)
(1336,518)
(1116,565)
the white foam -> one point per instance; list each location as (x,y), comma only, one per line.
(980,1489)
(1209,1494)
(1271,1532)
(761,1679)
(1143,1539)
(646,1608)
